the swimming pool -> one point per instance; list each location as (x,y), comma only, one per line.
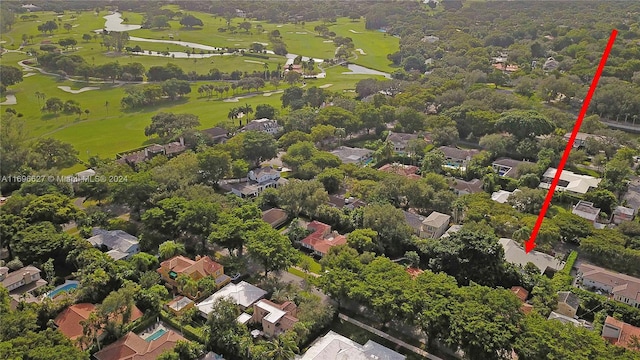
(156,334)
(66,287)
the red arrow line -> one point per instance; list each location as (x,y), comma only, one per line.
(530,244)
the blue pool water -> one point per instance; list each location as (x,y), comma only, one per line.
(66,287)
(156,334)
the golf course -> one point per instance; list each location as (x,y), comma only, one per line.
(105,128)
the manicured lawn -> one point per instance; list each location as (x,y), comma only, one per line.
(314,267)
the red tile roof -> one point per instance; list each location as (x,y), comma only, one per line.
(627,332)
(321,240)
(520,292)
(69,320)
(404,170)
(180,264)
(133,347)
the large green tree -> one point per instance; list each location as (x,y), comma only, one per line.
(271,249)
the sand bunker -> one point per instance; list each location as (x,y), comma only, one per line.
(355,32)
(69,90)
(11,100)
(301,32)
(325,86)
(361,52)
(28,74)
(254,61)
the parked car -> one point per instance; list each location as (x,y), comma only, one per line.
(235,278)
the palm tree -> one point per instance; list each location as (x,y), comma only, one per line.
(281,348)
(233,113)
(341,134)
(384,153)
(265,66)
(247,109)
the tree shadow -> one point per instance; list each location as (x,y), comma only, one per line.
(157,107)
(49,116)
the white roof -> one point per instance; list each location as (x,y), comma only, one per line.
(243,294)
(436,219)
(515,254)
(576,183)
(274,315)
(334,346)
(243,318)
(117,254)
(113,240)
(502,196)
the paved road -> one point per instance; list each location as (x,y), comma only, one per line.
(388,337)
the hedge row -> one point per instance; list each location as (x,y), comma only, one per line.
(259,56)
(188,331)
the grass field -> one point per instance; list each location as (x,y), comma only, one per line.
(109,130)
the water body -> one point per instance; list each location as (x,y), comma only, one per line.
(361,70)
(114,23)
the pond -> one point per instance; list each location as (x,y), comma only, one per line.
(114,23)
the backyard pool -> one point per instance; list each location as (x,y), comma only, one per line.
(156,334)
(66,287)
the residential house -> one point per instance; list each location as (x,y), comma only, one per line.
(408,171)
(502,196)
(522,294)
(621,213)
(340,202)
(568,320)
(569,181)
(134,347)
(434,225)
(197,269)
(507,167)
(242,293)
(350,155)
(515,254)
(457,158)
(453,229)
(21,281)
(322,238)
(462,187)
(581,138)
(624,288)
(568,304)
(414,221)
(335,346)
(69,321)
(265,125)
(506,68)
(586,210)
(275,217)
(136,157)
(179,305)
(430,39)
(259,180)
(619,333)
(550,65)
(120,245)
(216,134)
(400,141)
(275,318)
